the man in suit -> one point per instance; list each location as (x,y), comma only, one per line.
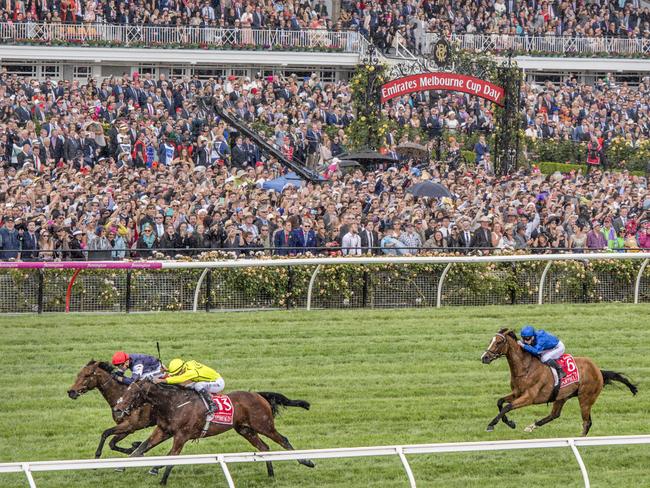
(621,221)
(369,239)
(282,240)
(29,243)
(465,236)
(303,239)
(483,235)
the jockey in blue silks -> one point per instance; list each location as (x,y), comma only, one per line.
(545,346)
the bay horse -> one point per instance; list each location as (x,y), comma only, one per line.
(180,413)
(98,375)
(532,383)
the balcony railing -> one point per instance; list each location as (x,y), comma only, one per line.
(111,35)
(107,35)
(549,45)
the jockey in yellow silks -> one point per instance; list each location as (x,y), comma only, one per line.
(196,376)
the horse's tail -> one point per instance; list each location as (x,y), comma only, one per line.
(277,400)
(610,376)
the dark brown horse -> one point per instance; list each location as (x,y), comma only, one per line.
(98,375)
(532,383)
(180,414)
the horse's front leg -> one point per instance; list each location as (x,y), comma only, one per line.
(522,401)
(500,402)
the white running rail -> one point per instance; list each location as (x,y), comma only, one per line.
(401,451)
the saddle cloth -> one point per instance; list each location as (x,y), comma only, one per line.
(224,411)
(568,364)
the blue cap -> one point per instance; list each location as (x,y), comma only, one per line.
(528,331)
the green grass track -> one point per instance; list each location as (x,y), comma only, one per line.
(373,378)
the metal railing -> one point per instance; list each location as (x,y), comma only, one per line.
(356,452)
(111,35)
(334,282)
(114,35)
(532,45)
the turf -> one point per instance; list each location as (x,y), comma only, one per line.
(373,378)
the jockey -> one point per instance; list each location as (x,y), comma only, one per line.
(545,346)
(141,366)
(196,376)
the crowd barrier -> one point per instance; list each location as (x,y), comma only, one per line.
(401,451)
(323,282)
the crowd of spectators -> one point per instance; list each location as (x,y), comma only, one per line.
(384,21)
(101,168)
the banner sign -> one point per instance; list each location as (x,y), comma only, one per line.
(442,81)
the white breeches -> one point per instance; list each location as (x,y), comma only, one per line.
(216,386)
(554,353)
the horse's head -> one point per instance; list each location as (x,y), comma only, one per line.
(91,376)
(134,396)
(498,346)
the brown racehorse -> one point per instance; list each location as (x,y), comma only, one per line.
(532,382)
(180,414)
(98,375)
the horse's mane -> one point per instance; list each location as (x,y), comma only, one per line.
(508,332)
(101,365)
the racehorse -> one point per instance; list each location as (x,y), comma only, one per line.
(180,414)
(98,375)
(532,382)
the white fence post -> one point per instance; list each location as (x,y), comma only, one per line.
(312,280)
(198,289)
(637,285)
(583,468)
(226,471)
(542,280)
(28,473)
(407,466)
(440,282)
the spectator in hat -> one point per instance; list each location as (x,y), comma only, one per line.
(9,240)
(77,245)
(147,243)
(596,240)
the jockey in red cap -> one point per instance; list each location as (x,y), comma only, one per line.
(141,366)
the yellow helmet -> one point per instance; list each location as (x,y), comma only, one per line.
(175,365)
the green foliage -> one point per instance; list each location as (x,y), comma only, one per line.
(373,377)
(547,167)
(369,128)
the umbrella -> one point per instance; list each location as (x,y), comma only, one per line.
(367,157)
(278,184)
(429,189)
(412,149)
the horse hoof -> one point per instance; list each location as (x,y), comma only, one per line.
(307,462)
(530,428)
(511,424)
(490,428)
(135,445)
(153,471)
(120,470)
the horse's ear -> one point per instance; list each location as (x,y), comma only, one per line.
(503,330)
(92,361)
(512,334)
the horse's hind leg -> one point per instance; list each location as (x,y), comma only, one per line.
(555,413)
(251,436)
(105,435)
(505,419)
(275,436)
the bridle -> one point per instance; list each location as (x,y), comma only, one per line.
(84,388)
(495,340)
(121,413)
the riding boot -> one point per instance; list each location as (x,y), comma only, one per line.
(560,372)
(208,400)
